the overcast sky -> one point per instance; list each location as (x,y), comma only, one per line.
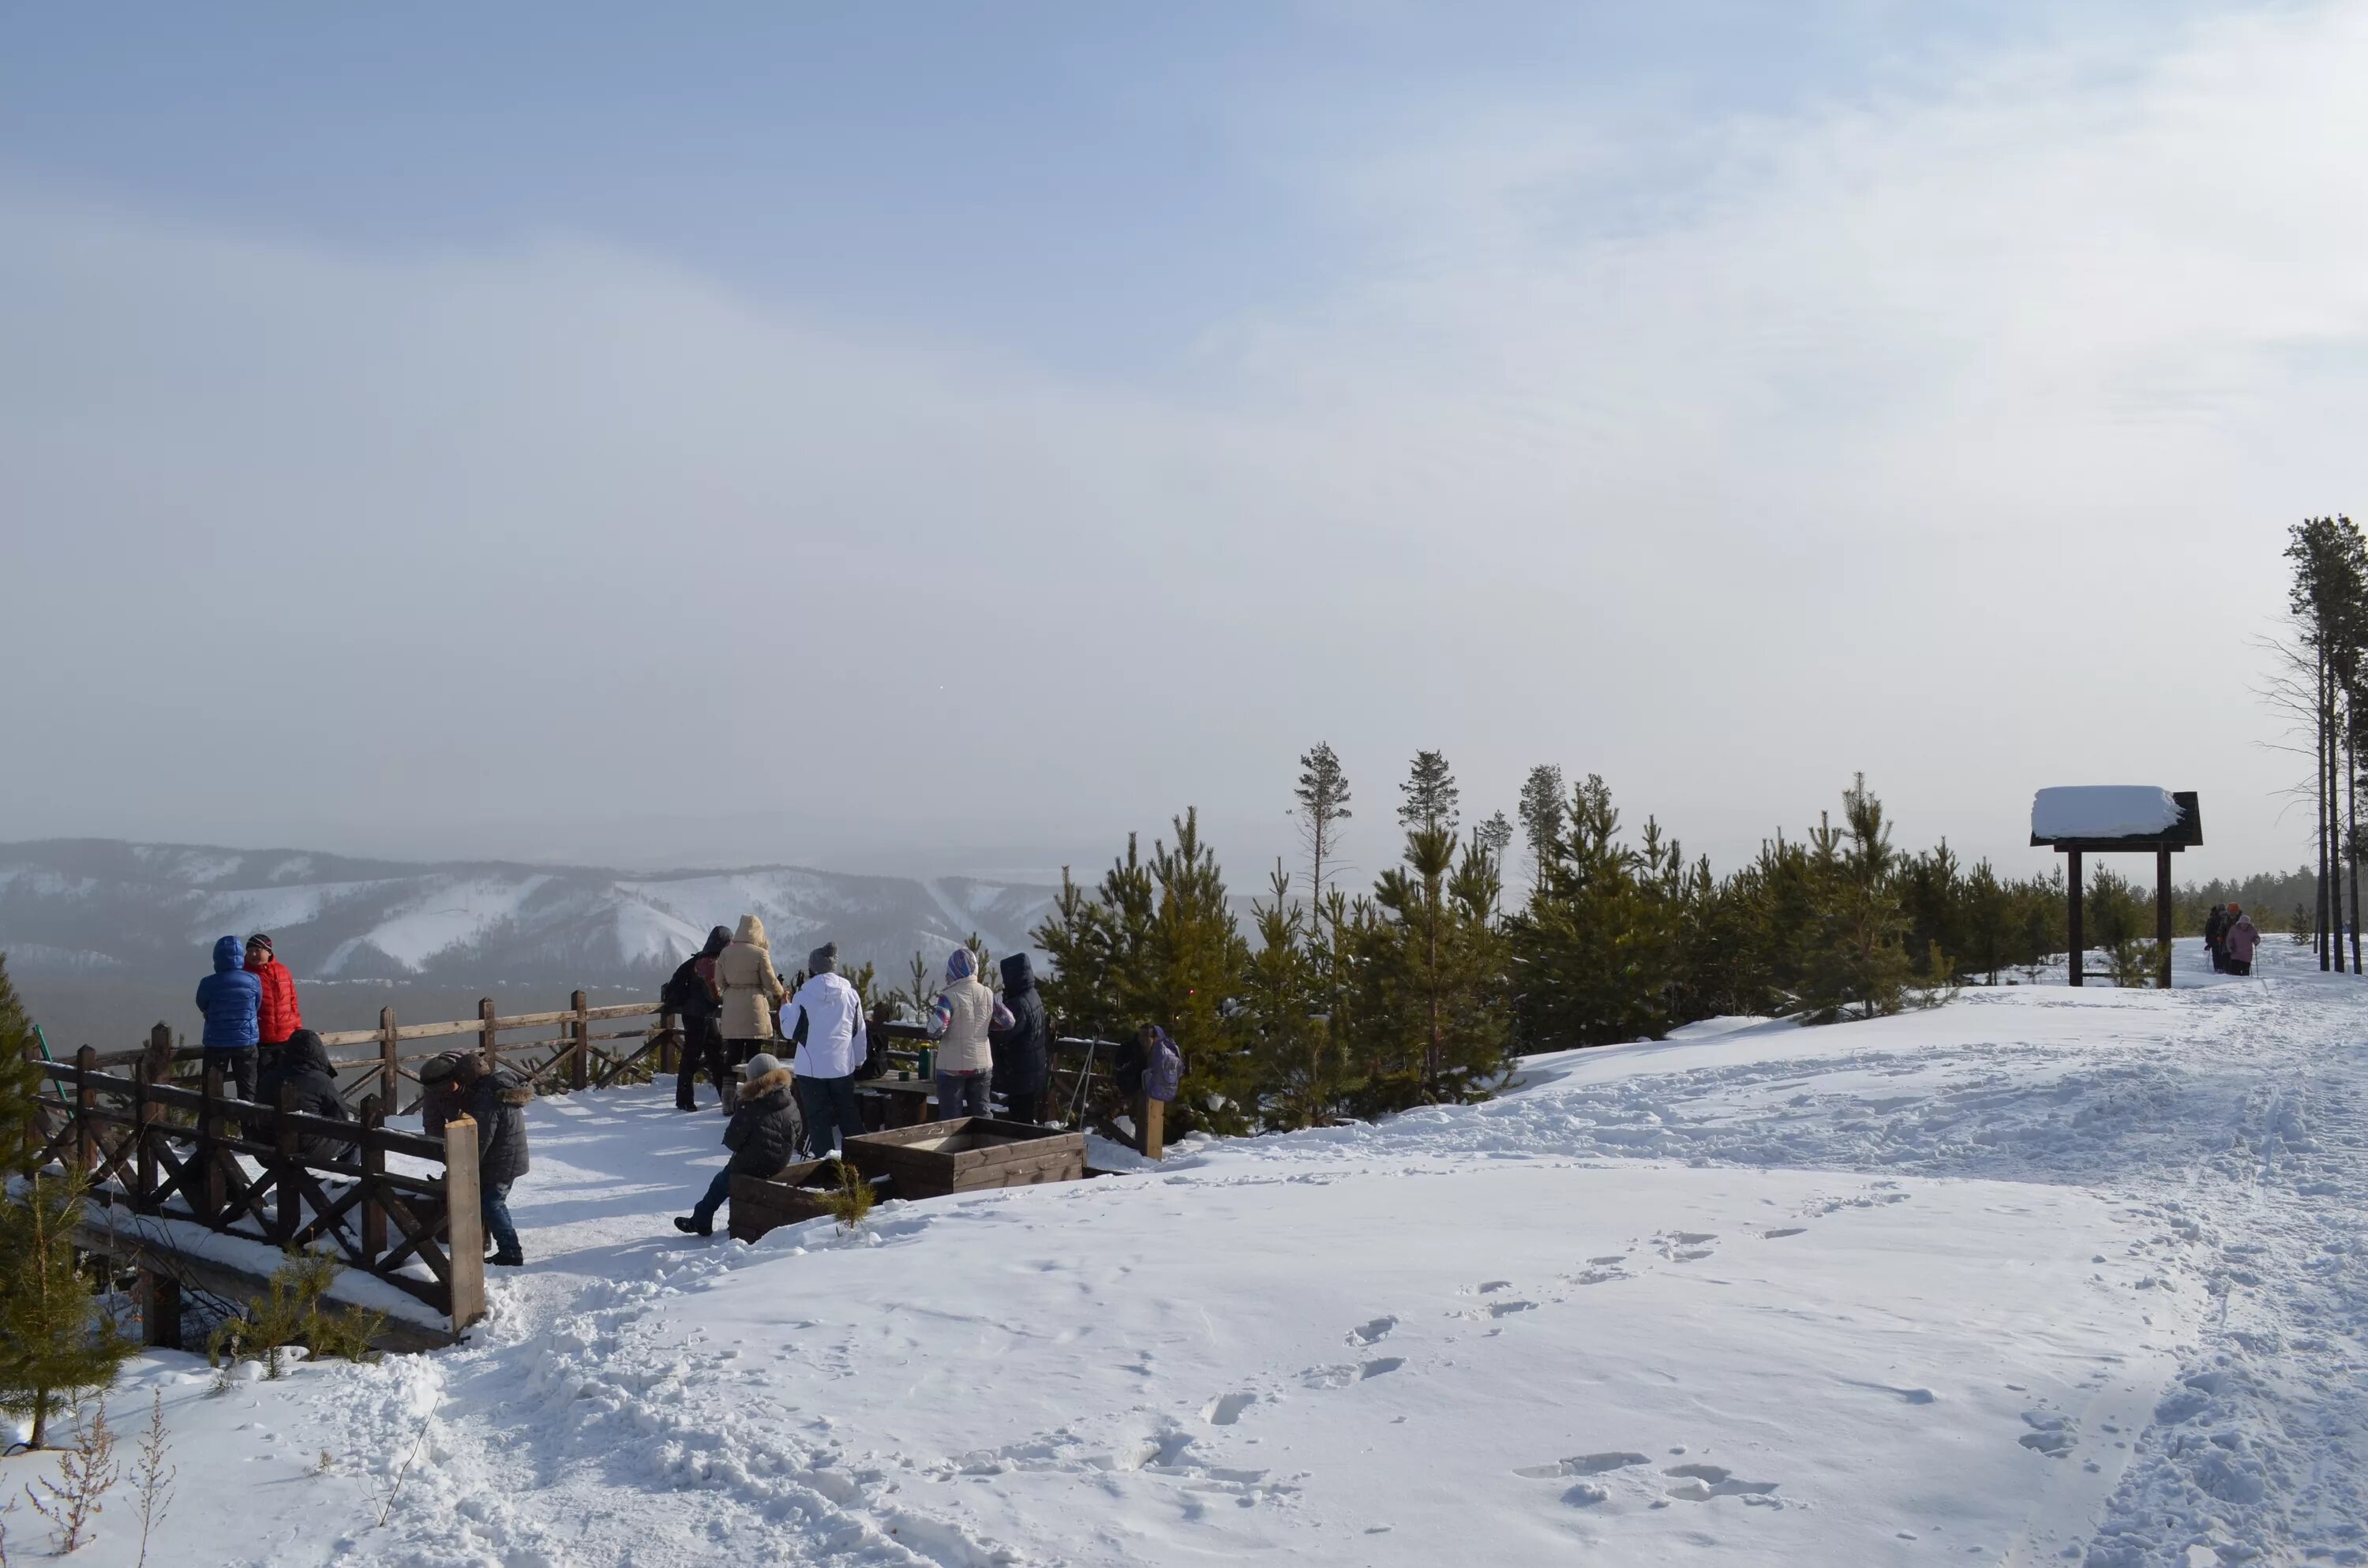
(925,438)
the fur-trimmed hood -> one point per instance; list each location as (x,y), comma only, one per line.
(758,1088)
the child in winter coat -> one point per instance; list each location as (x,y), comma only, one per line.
(302,1064)
(763,1137)
(231,998)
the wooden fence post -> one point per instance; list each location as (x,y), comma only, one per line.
(1151,1128)
(579,1070)
(212,1194)
(155,1067)
(389,1062)
(2076,960)
(373,1173)
(160,1310)
(85,1102)
(669,1045)
(488,1037)
(464,1220)
(291,1211)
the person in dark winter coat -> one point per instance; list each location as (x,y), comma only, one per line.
(442,1093)
(302,1064)
(496,1098)
(763,1137)
(1023,1052)
(693,993)
(231,998)
(2216,933)
(277,1014)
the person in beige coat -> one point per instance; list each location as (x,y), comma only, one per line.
(743,974)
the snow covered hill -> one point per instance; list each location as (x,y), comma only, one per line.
(151,910)
(2039,1276)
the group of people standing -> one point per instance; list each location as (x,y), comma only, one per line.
(2230,935)
(734,1006)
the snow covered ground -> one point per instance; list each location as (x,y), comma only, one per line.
(2041,1275)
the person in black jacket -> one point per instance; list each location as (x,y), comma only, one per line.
(691,991)
(762,1136)
(2216,937)
(1023,1053)
(302,1064)
(496,1099)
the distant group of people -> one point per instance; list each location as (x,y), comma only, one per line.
(735,1011)
(2231,937)
(736,1006)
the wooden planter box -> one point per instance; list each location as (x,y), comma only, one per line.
(970,1154)
(763,1203)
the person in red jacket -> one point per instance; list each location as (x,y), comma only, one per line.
(278,1016)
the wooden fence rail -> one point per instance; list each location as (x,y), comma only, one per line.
(235,1167)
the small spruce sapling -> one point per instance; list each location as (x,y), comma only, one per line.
(851,1199)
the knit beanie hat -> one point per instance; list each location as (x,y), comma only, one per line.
(823,959)
(763,1062)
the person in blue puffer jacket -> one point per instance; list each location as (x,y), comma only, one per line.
(232,999)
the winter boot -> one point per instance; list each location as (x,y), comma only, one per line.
(690,1227)
(507,1259)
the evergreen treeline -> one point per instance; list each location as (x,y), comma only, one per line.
(1422,988)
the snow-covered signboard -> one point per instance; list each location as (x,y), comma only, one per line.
(2102,811)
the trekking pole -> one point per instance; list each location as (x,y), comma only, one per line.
(1084,1082)
(43,1041)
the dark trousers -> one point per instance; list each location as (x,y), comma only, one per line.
(2240,966)
(493,1204)
(962,1094)
(702,1051)
(829,1106)
(718,1191)
(1025,1105)
(237,1064)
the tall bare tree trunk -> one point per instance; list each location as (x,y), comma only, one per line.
(2352,825)
(2319,790)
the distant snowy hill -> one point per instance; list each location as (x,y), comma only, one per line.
(100,906)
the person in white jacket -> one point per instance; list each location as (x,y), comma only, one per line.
(830,1012)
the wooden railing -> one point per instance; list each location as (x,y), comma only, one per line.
(202,1156)
(569,1042)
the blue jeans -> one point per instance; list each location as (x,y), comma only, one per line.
(717,1191)
(962,1094)
(493,1204)
(829,1107)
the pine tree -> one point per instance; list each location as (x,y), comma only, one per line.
(21,1083)
(1541,818)
(55,1346)
(1297,1061)
(1860,964)
(1193,954)
(1431,797)
(1323,797)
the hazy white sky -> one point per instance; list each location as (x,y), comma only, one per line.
(880,449)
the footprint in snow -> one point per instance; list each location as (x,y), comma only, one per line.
(1701,1483)
(1372,1333)
(1582,1464)
(1787,1231)
(2053,1436)
(1226,1409)
(1506,1309)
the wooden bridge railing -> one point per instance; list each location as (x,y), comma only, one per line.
(235,1167)
(568,1043)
